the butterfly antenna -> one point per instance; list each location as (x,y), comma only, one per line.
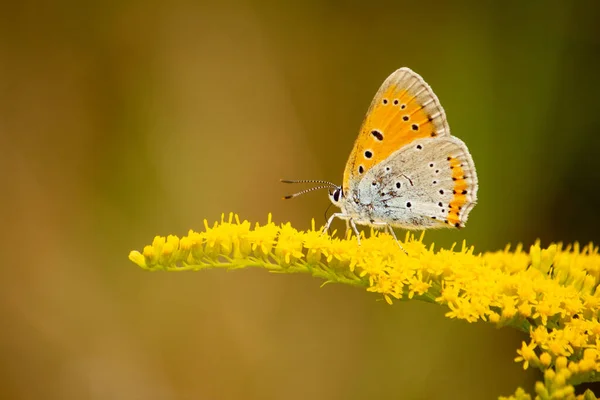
(309,181)
(291,196)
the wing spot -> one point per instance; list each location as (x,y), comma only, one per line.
(453,178)
(398,185)
(408,204)
(415,127)
(431,165)
(388,169)
(440,204)
(419,147)
(405,118)
(373,183)
(464,192)
(395,102)
(441,191)
(433,134)
(385,101)
(403,106)
(433,217)
(378,135)
(437,171)
(449,158)
(368,154)
(361,169)
(457,224)
(443,211)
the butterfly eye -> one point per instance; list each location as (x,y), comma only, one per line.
(336,195)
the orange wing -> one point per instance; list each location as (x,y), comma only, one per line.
(404,109)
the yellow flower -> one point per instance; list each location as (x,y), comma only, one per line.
(552,294)
(527,354)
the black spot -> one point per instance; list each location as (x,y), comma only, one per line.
(454,192)
(403,106)
(405,118)
(437,170)
(441,191)
(388,169)
(385,101)
(415,127)
(446,221)
(408,204)
(457,224)
(434,182)
(396,102)
(433,217)
(575,316)
(460,208)
(443,211)
(398,184)
(453,178)
(433,134)
(383,193)
(464,192)
(440,204)
(449,158)
(360,169)
(419,147)
(429,118)
(373,183)
(464,177)
(431,165)
(378,135)
(368,154)
(452,167)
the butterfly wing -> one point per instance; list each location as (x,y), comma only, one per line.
(403,110)
(431,183)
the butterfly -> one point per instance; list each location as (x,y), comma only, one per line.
(405,169)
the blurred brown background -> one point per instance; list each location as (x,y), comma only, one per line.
(123,120)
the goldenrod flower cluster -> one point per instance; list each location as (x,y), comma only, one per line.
(552,294)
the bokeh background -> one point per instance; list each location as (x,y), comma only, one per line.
(123,120)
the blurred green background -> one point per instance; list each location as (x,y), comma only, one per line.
(123,120)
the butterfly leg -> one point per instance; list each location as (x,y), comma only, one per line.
(349,223)
(395,238)
(355,229)
(330,220)
(391,231)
